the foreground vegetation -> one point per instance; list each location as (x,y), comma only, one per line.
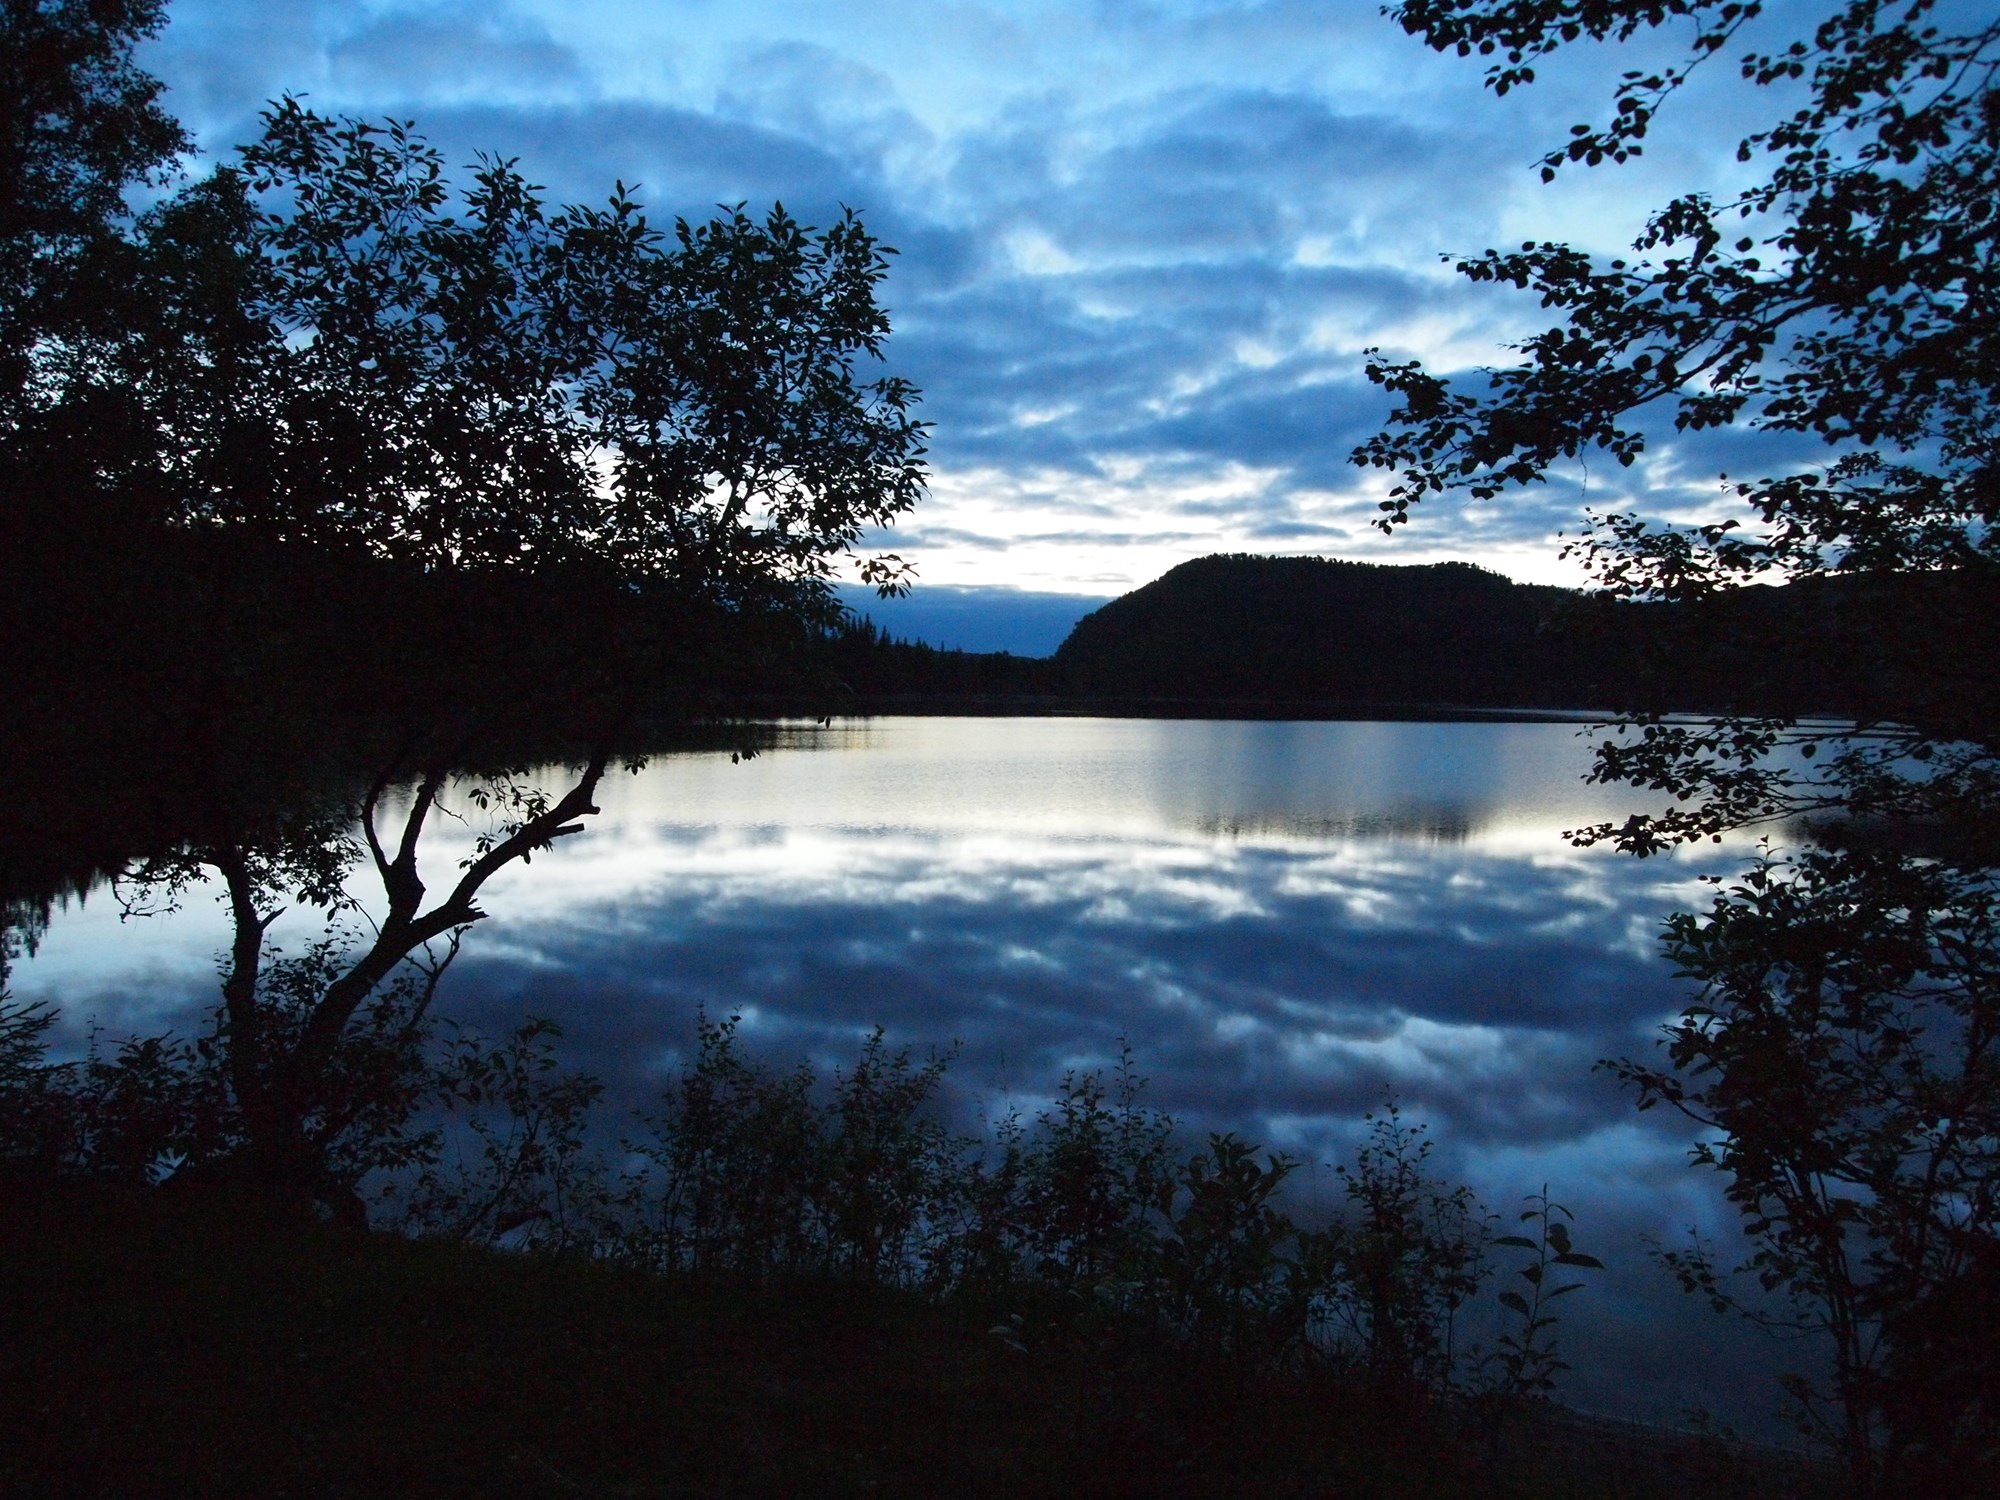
(184,1345)
(780,1289)
(1092,1214)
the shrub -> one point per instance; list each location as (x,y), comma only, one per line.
(512,1161)
(1392,1275)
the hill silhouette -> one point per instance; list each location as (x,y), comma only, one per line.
(1309,634)
(1316,630)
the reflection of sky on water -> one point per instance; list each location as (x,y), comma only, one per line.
(1284,920)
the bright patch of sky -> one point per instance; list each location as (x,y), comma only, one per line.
(1142,245)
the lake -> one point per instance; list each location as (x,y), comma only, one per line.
(1286,922)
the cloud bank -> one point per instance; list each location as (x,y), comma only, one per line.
(1141,247)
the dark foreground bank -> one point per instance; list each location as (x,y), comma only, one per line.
(191,1344)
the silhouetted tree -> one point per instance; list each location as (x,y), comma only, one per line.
(1843,1059)
(328,346)
(80,123)
(1847,295)
(600,456)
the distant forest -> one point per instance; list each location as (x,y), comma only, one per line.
(129,645)
(1308,635)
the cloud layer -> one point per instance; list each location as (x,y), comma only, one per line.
(1142,247)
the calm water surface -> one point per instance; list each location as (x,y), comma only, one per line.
(1285,921)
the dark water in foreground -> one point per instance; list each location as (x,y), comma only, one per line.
(1284,920)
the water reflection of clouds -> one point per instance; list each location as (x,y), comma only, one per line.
(1273,987)
(1283,921)
(1303,969)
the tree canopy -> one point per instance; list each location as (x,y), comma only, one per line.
(1842,1054)
(1847,296)
(328,344)
(80,123)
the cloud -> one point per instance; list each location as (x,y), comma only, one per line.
(1140,246)
(452,52)
(818,93)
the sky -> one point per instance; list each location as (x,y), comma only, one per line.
(1142,247)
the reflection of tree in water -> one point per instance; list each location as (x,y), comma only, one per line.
(1428,825)
(22,926)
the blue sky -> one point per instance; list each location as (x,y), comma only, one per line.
(1142,245)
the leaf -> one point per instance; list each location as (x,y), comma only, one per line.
(1516,1242)
(1514,1301)
(1578,1258)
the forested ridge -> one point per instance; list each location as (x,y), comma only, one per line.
(1316,629)
(1313,634)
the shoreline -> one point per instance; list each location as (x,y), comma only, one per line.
(1092,706)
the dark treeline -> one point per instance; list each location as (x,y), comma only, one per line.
(166,676)
(868,669)
(1314,635)
(168,681)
